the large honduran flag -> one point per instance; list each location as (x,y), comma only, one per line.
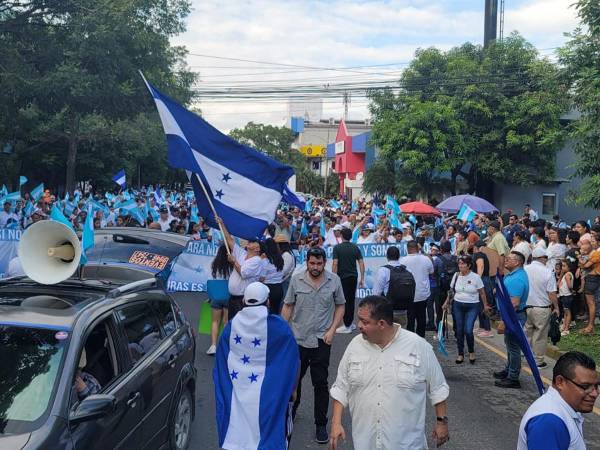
(244,185)
(255,374)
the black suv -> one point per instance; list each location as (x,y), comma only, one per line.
(85,365)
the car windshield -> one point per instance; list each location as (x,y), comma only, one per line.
(30,360)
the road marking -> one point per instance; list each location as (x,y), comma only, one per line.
(526,369)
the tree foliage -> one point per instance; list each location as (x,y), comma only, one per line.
(472,115)
(581,59)
(71,87)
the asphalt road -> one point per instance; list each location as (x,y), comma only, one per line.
(481,415)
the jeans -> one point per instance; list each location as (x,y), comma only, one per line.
(417,311)
(349,288)
(318,361)
(484,320)
(465,315)
(513,363)
(433,314)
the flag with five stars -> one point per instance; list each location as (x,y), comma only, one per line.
(255,373)
(244,185)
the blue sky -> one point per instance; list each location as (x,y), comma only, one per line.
(338,33)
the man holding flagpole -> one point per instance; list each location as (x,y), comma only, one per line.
(517,286)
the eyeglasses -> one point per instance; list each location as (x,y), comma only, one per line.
(586,388)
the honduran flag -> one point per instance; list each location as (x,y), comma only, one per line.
(120,178)
(255,374)
(466,213)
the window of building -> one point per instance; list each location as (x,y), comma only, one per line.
(332,165)
(316,165)
(548,204)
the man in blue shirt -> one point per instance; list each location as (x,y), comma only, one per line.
(554,421)
(517,285)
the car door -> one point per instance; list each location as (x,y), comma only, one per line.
(154,357)
(119,429)
(166,367)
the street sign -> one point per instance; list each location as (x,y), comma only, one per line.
(313,151)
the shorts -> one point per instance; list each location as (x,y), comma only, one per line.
(219,303)
(566,301)
(592,284)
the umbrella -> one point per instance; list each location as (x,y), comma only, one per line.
(453,204)
(419,209)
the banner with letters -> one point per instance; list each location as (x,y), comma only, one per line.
(9,244)
(193,266)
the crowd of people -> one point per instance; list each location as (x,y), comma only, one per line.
(444,267)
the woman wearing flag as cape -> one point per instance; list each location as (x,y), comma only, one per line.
(255,375)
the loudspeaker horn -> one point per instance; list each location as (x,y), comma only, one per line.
(49,252)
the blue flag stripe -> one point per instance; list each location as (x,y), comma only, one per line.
(231,154)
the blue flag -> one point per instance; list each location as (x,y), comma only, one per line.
(22,180)
(37,192)
(119,178)
(56,214)
(392,204)
(255,373)
(354,206)
(291,198)
(87,237)
(304,228)
(28,209)
(355,235)
(308,206)
(13,197)
(155,215)
(441,338)
(3,191)
(334,204)
(232,173)
(514,327)
(322,230)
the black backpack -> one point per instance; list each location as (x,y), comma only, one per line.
(401,290)
(449,268)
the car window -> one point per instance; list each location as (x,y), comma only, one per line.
(166,316)
(141,328)
(31,360)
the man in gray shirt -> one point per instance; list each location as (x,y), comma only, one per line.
(314,306)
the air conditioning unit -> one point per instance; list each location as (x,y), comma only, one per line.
(368,121)
(331,121)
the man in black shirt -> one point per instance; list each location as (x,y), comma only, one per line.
(345,257)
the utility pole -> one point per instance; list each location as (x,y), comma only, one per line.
(326,163)
(490,27)
(346,104)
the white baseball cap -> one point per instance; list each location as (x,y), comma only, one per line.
(256,294)
(338,227)
(539,253)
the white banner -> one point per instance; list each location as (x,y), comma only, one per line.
(9,243)
(192,269)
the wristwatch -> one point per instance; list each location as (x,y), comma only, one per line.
(442,419)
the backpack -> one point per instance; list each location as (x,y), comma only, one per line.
(401,290)
(449,268)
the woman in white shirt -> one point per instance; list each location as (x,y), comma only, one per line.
(557,247)
(466,288)
(289,260)
(272,274)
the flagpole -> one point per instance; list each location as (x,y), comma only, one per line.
(212,207)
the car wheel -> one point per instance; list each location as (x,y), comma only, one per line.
(182,421)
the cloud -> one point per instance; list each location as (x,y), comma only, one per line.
(337,33)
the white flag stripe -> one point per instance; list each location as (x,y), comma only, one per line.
(239,192)
(121,181)
(244,420)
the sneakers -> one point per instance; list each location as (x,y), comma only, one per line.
(344,330)
(485,334)
(352,327)
(508,383)
(321,435)
(500,375)
(211,350)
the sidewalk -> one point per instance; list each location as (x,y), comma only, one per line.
(496,345)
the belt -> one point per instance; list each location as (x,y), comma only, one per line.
(528,307)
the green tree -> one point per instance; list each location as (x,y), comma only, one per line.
(581,60)
(471,113)
(71,74)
